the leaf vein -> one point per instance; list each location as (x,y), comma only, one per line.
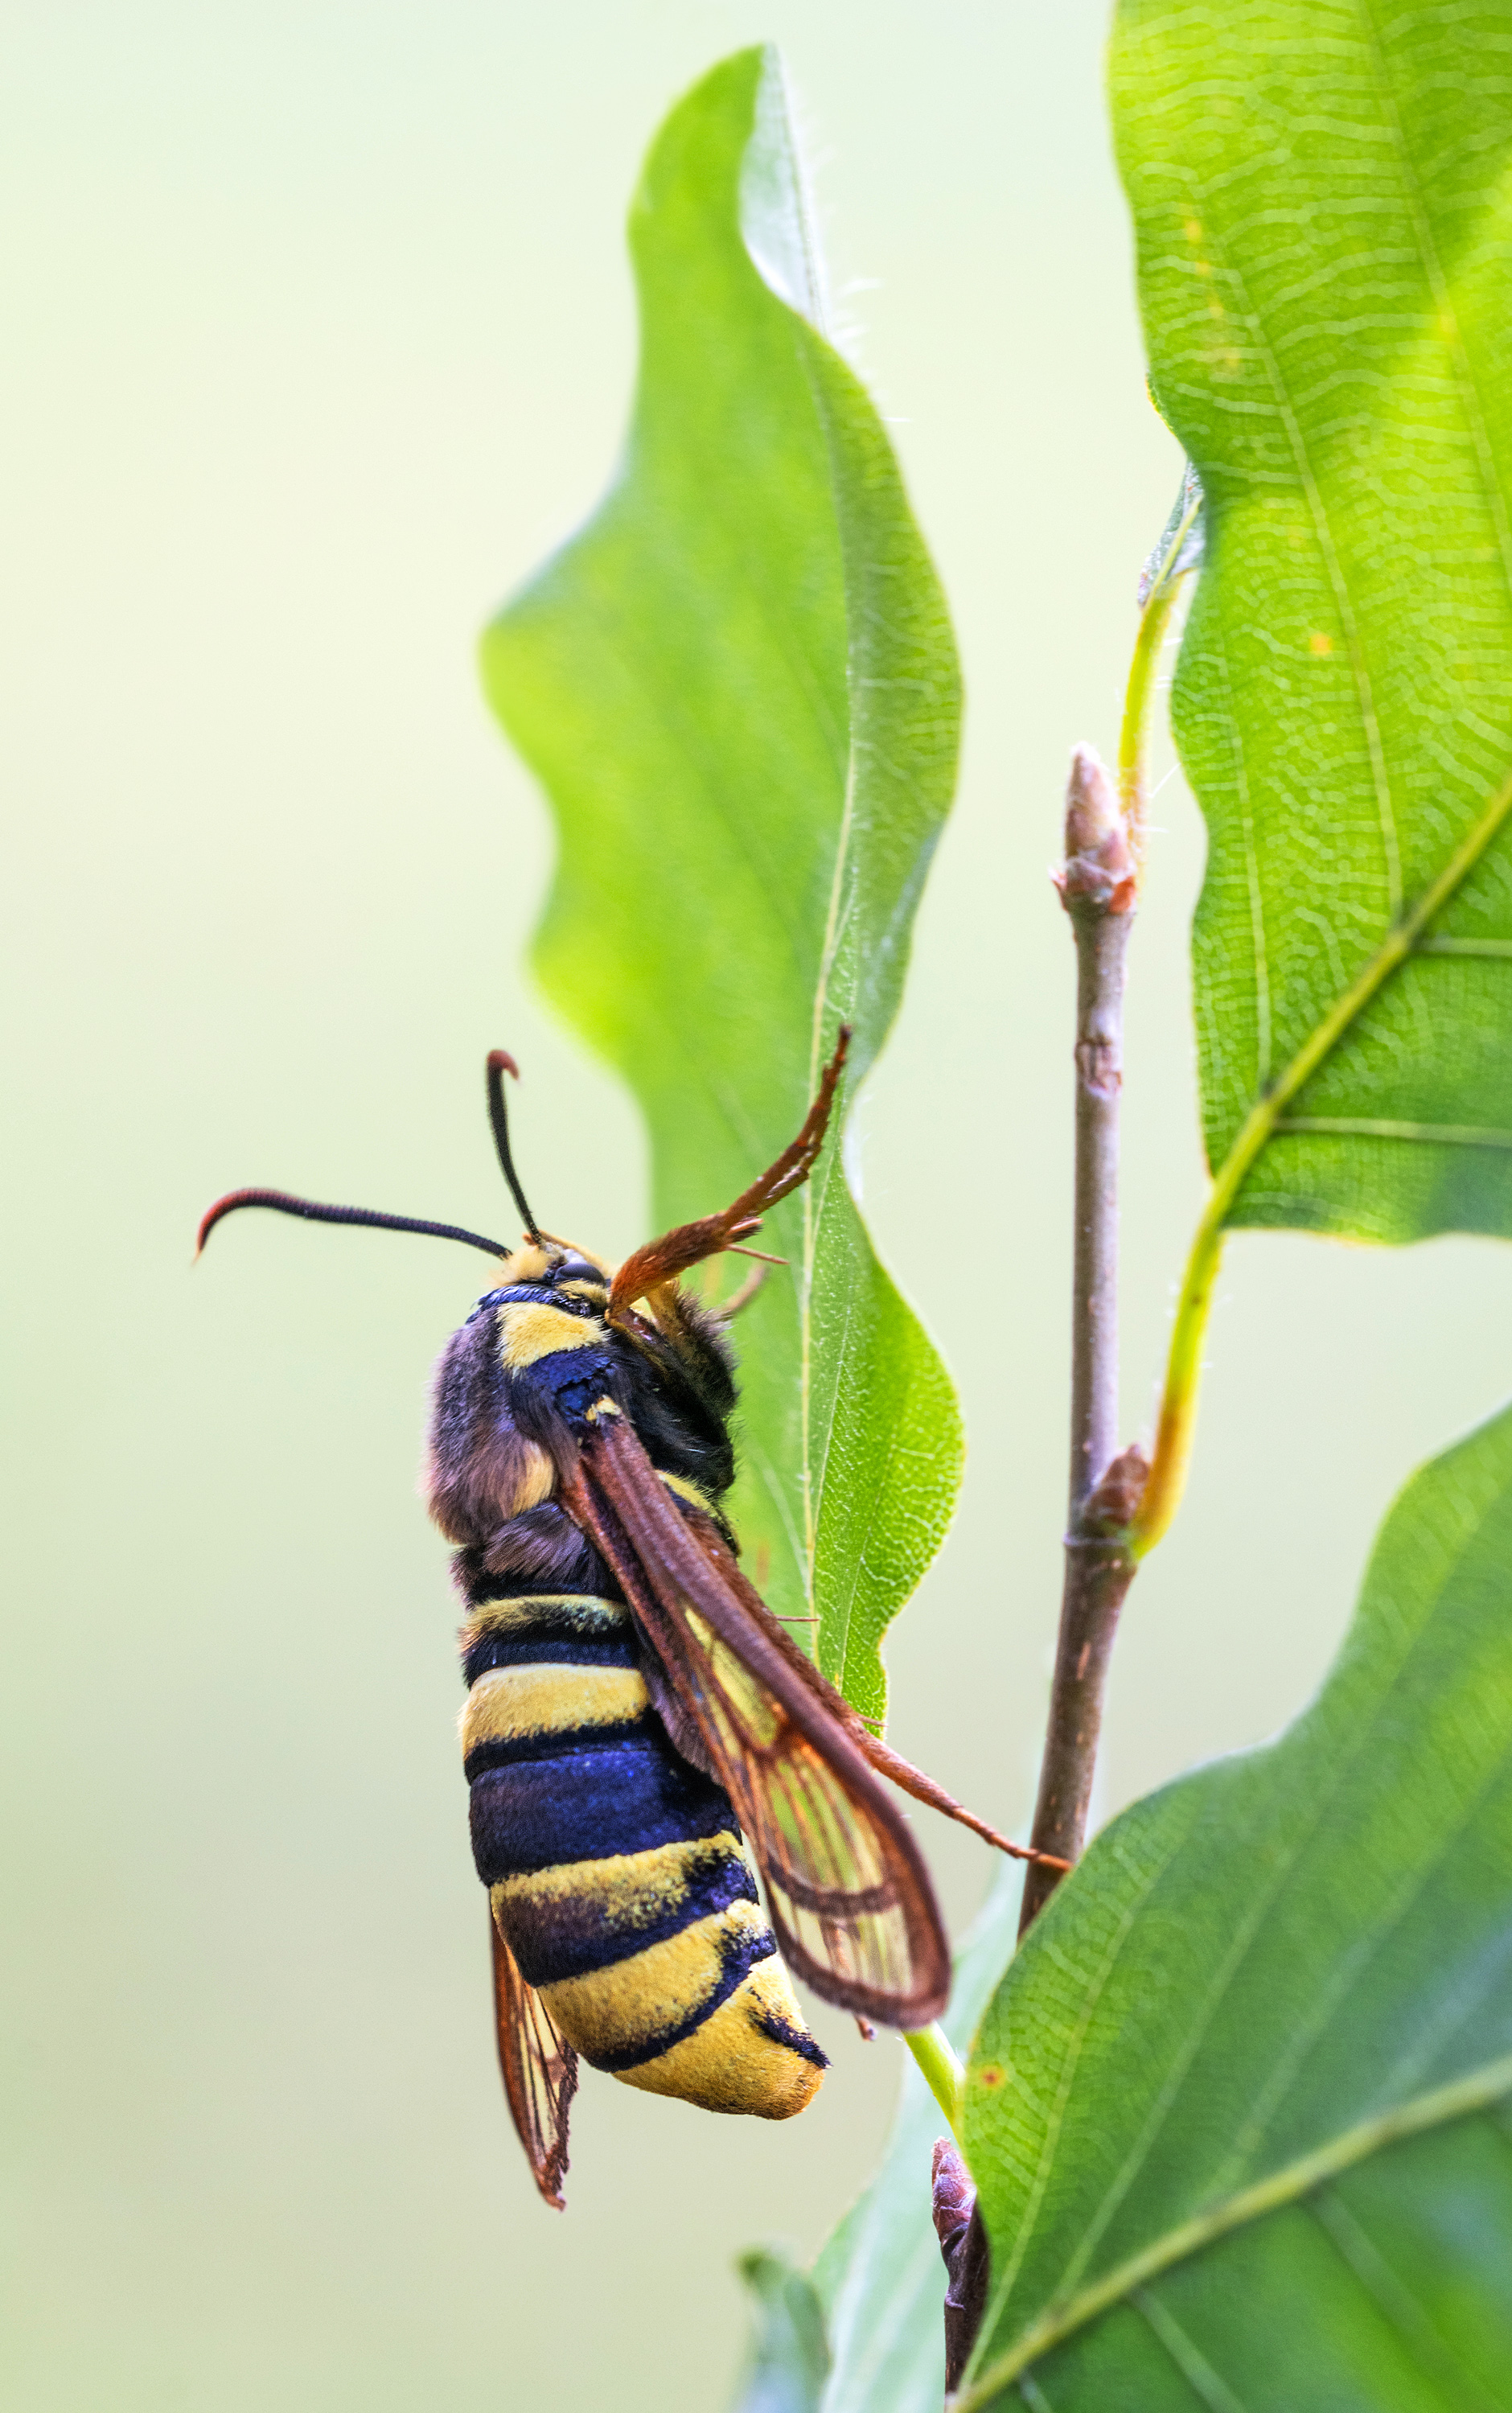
(1398,2306)
(1207,2385)
(1474,2092)
(1344,602)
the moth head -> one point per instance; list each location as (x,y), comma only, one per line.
(554,1264)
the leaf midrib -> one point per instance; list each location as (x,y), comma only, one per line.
(1259,1125)
(1412,1641)
(1456,2100)
(813,1482)
(1242,1943)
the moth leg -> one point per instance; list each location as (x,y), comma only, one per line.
(689,1244)
(880,1755)
(731,1307)
(914,1781)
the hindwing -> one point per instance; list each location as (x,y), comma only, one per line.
(540,2070)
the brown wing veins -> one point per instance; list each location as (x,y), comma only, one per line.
(540,2070)
(849,1894)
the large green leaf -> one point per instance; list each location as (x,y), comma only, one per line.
(739,689)
(1242,2111)
(1322,192)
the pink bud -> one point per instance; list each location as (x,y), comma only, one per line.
(1100,870)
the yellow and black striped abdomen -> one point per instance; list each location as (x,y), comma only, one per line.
(615,1869)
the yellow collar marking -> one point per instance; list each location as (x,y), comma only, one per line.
(528,1330)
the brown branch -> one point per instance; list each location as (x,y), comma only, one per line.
(1098,890)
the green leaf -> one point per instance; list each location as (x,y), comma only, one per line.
(881,2274)
(879,2279)
(1182,541)
(1242,2111)
(787,2357)
(1322,192)
(739,689)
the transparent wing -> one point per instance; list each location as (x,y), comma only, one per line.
(540,2071)
(850,1898)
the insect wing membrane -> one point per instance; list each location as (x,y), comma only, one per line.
(540,2071)
(835,1892)
(849,1898)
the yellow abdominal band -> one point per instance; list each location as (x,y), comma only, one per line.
(724,2055)
(614,1868)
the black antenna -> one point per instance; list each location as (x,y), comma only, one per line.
(498,1064)
(285,1203)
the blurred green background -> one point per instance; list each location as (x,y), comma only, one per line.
(320,333)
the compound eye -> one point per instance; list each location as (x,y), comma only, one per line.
(575,1267)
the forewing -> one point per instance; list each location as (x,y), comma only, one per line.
(850,1898)
(540,2070)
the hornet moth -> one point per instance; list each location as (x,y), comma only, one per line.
(639,1727)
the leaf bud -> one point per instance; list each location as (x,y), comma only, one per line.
(963,2247)
(1099,874)
(1113,1504)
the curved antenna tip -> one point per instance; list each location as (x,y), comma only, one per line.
(212,1216)
(499,1063)
(312,1210)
